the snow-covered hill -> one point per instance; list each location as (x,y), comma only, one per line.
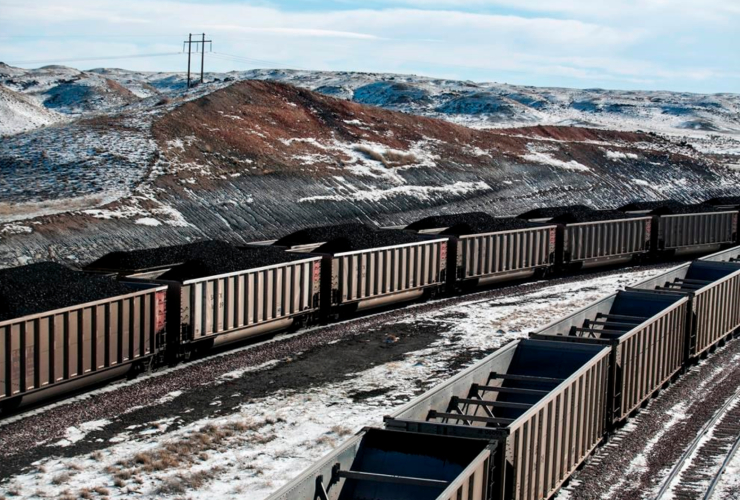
(19,113)
(469,103)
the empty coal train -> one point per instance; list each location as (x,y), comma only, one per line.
(57,333)
(518,424)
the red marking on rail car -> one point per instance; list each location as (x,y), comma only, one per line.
(161,312)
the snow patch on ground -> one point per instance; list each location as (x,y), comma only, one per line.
(618,155)
(545,159)
(373,194)
(74,434)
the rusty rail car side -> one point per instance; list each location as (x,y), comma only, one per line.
(606,242)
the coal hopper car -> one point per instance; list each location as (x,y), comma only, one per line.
(218,293)
(645,332)
(62,329)
(591,238)
(484,250)
(713,289)
(687,229)
(382,465)
(730,255)
(542,403)
(365,267)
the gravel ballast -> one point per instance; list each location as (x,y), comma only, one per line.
(348,238)
(46,286)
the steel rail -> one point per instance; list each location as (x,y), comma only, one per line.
(718,415)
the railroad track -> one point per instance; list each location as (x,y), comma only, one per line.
(700,467)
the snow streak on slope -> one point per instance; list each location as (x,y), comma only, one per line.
(18,113)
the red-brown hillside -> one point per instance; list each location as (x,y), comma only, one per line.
(266,127)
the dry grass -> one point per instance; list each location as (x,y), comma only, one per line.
(325,440)
(183,482)
(61,478)
(101,491)
(86,494)
(184,451)
(389,158)
(96,455)
(341,431)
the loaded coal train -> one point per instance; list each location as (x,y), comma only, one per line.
(519,423)
(62,329)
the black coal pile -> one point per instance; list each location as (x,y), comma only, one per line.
(448,220)
(227,260)
(667,207)
(348,238)
(494,225)
(153,258)
(552,212)
(724,201)
(47,286)
(592,216)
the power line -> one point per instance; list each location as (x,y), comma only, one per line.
(100,58)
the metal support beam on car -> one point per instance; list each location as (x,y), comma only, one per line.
(385,478)
(472,418)
(524,378)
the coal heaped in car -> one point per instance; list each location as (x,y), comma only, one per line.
(470,223)
(153,258)
(348,238)
(46,286)
(667,207)
(724,201)
(552,212)
(227,260)
(592,216)
(194,260)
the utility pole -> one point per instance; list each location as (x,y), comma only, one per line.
(202,55)
(199,44)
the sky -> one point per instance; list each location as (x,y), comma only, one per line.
(679,45)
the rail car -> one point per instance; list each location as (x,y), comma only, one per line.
(688,229)
(365,268)
(544,403)
(79,332)
(591,238)
(483,250)
(215,293)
